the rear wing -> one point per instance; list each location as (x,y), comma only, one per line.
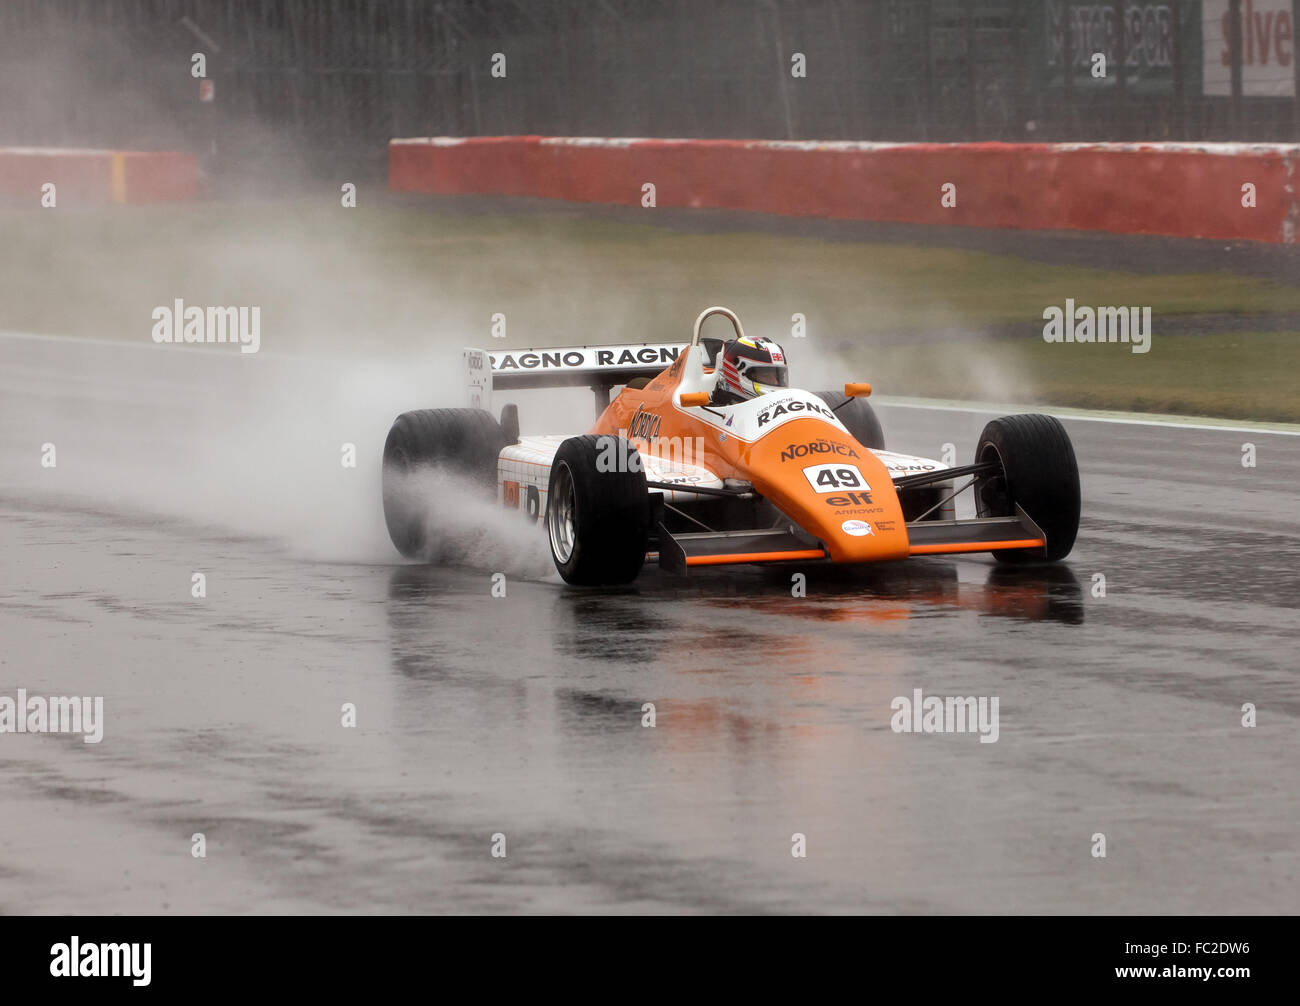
(600,368)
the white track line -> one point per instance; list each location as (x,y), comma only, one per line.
(930,404)
(1086,416)
(210,349)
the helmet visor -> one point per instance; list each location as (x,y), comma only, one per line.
(773,377)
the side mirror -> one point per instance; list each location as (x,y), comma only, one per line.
(694,399)
(860,390)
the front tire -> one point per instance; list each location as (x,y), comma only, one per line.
(464,442)
(597,511)
(1037,471)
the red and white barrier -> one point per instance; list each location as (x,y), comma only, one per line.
(96,177)
(1211,190)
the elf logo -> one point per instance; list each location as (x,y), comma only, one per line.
(849,499)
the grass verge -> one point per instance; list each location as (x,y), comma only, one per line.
(395,278)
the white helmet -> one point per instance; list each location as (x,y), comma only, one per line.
(748,368)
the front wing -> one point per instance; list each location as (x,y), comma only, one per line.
(678,552)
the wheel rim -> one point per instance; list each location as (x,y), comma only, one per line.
(561,513)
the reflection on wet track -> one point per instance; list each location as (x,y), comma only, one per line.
(1120,712)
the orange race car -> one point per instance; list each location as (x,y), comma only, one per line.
(707,457)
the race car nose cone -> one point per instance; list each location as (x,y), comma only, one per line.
(834,488)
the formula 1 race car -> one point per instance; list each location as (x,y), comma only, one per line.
(669,474)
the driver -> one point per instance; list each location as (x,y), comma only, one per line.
(748,368)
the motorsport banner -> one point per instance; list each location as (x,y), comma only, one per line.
(1152,41)
(1267,49)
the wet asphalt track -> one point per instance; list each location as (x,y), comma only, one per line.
(521,715)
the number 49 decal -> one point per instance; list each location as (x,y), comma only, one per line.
(831,478)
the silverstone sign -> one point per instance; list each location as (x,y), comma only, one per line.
(1267,49)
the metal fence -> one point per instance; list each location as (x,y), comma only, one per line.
(332,80)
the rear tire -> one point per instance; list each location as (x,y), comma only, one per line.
(597,519)
(1039,472)
(465,442)
(858,417)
